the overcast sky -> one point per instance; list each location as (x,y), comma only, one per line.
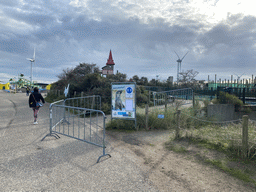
(142,35)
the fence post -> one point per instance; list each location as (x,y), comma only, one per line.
(245,136)
(178,125)
(146,113)
(244,95)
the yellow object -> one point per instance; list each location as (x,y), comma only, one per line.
(5,86)
(48,87)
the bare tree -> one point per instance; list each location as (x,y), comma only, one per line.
(188,76)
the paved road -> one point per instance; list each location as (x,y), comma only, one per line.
(65,164)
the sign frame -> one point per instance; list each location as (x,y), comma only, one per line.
(126,91)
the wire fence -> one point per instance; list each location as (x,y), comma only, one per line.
(237,136)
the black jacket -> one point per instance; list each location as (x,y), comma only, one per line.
(38,97)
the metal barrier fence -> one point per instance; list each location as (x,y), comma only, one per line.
(161,98)
(77,122)
(90,102)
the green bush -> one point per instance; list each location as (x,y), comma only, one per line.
(120,124)
(106,108)
(155,123)
(52,97)
(226,98)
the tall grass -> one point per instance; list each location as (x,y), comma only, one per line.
(193,122)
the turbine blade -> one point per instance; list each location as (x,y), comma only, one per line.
(177,54)
(242,74)
(184,56)
(28,59)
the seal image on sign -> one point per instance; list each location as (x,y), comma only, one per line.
(118,101)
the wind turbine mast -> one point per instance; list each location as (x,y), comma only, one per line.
(179,65)
(31,61)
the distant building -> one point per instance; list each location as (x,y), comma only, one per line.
(170,79)
(109,68)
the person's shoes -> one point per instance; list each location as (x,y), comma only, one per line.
(35,123)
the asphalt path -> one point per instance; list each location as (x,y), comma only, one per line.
(65,164)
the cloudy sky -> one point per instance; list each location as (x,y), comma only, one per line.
(142,35)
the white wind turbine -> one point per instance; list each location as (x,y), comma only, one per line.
(32,60)
(179,65)
(238,77)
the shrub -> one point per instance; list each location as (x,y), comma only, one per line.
(120,124)
(106,108)
(226,98)
(168,122)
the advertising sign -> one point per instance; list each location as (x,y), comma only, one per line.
(123,100)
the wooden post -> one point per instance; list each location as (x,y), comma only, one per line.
(178,125)
(58,93)
(146,114)
(75,94)
(245,136)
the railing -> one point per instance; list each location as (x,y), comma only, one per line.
(77,122)
(161,98)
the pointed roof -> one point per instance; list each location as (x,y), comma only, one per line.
(110,60)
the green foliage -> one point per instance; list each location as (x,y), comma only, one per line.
(106,108)
(119,124)
(52,97)
(141,96)
(154,123)
(226,98)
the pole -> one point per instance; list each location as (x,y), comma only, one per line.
(146,113)
(178,125)
(31,75)
(231,80)
(245,136)
(215,81)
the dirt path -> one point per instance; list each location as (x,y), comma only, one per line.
(172,171)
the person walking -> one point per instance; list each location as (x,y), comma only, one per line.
(27,90)
(34,100)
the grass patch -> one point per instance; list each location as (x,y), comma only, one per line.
(234,172)
(170,145)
